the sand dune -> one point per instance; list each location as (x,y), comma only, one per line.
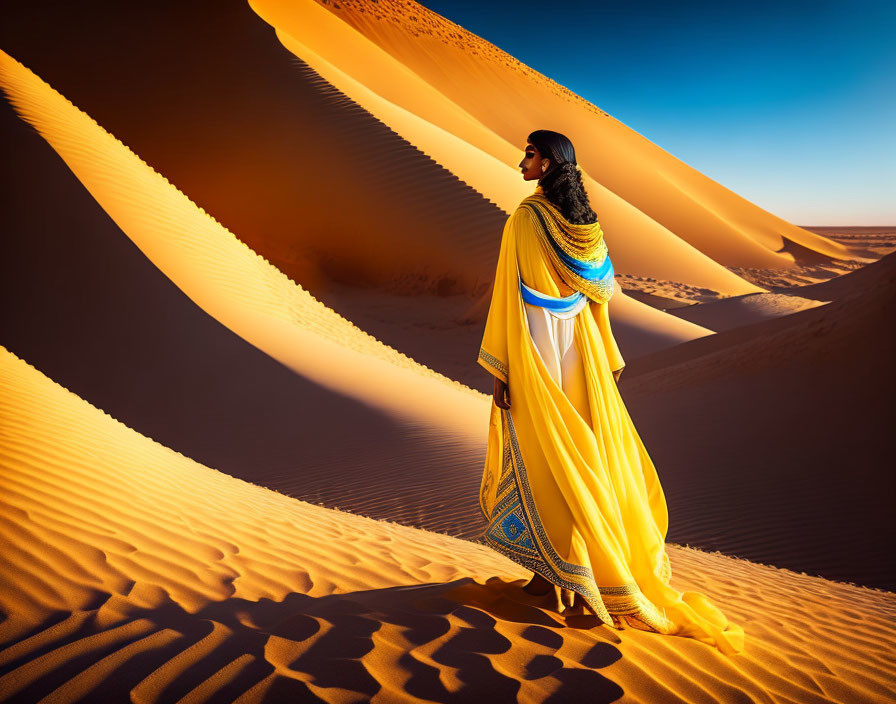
(406,166)
(430,232)
(871,276)
(500,92)
(390,156)
(260,144)
(791,416)
(737,311)
(355,402)
(362,71)
(164,580)
(131,569)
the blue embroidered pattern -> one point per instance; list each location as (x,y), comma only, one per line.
(515,530)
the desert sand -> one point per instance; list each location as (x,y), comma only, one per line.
(808,398)
(176,314)
(162,579)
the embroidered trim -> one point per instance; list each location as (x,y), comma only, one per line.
(598,290)
(493,362)
(577,240)
(515,530)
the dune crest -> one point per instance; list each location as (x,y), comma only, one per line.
(498,91)
(435,424)
(475,151)
(230,281)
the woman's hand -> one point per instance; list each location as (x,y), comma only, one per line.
(501,394)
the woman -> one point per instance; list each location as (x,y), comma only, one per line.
(568,488)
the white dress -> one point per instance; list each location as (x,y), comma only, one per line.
(555,340)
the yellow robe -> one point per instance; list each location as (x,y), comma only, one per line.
(577,499)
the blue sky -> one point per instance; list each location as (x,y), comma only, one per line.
(791,104)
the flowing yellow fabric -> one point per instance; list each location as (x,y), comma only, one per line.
(571,493)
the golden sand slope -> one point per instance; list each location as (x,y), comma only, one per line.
(230,281)
(129,568)
(393,56)
(793,417)
(104,161)
(481,151)
(436,440)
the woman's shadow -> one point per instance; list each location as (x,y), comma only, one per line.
(458,641)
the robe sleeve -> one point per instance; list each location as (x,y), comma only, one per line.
(601,312)
(493,353)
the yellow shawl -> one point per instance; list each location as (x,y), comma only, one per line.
(566,243)
(575,499)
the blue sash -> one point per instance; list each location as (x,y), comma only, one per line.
(587,270)
(554,304)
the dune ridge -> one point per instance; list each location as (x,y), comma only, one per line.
(464,68)
(792,417)
(482,157)
(435,425)
(213,267)
(166,580)
(275,208)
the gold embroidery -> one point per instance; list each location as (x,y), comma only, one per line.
(515,530)
(493,362)
(585,241)
(600,290)
(638,607)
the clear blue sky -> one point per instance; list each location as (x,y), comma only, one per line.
(791,104)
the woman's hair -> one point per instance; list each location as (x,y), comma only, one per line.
(562,184)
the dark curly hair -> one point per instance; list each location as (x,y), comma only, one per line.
(562,183)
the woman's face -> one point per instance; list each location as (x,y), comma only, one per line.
(532,163)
